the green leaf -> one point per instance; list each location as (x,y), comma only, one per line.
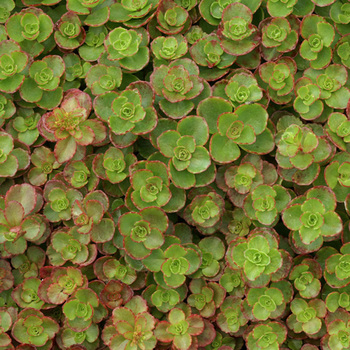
(65,149)
(338,98)
(167,141)
(176,110)
(30,92)
(263,144)
(156,217)
(182,342)
(332,224)
(182,179)
(196,127)
(254,115)
(252,271)
(200,160)
(103,231)
(9,167)
(136,250)
(211,108)
(223,149)
(313,326)
(291,217)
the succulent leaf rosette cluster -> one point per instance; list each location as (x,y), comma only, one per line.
(174,174)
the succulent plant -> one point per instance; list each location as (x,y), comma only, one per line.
(33,328)
(138,330)
(30,28)
(311,217)
(174,174)
(257,256)
(179,329)
(13,61)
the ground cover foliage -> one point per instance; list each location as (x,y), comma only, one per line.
(174,174)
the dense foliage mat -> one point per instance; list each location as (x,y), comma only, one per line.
(174,174)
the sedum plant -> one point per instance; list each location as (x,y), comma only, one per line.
(11,159)
(93,46)
(171,18)
(76,69)
(69,127)
(82,309)
(338,334)
(30,28)
(44,163)
(306,316)
(179,329)
(59,200)
(230,319)
(211,10)
(6,9)
(116,270)
(242,88)
(69,33)
(150,186)
(19,221)
(172,265)
(33,328)
(278,79)
(61,283)
(308,103)
(132,325)
(28,265)
(13,61)
(24,126)
(279,8)
(279,35)
(336,264)
(133,15)
(214,62)
(90,217)
(206,298)
(264,303)
(128,47)
(241,179)
(69,337)
(238,131)
(312,217)
(267,335)
(177,84)
(26,294)
(70,246)
(129,113)
(174,174)
(96,12)
(205,211)
(113,165)
(337,300)
(163,299)
(188,156)
(237,34)
(7,108)
(337,130)
(101,78)
(42,85)
(257,256)
(332,82)
(306,276)
(265,202)
(6,323)
(299,152)
(318,35)
(169,48)
(143,231)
